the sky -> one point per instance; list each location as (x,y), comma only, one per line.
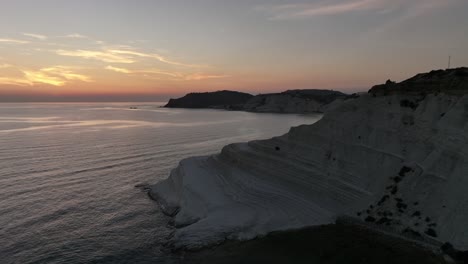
(151,50)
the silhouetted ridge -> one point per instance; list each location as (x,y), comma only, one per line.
(291,101)
(453,81)
(218,99)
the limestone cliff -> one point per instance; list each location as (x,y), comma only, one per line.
(396,158)
(293,101)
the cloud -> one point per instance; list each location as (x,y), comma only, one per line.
(121,70)
(43,77)
(325,8)
(159,72)
(37,36)
(104,56)
(201,76)
(145,72)
(297,11)
(76,36)
(154,56)
(14,81)
(66,73)
(4,66)
(15,41)
(176,76)
(120,56)
(56,76)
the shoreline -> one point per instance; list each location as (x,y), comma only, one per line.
(348,233)
(243,110)
(342,242)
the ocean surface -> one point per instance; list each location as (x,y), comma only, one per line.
(73,175)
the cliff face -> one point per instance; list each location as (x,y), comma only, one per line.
(293,101)
(398,160)
(219,99)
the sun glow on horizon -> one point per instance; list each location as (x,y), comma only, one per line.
(159,47)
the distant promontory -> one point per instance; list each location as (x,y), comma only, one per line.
(291,101)
(219,99)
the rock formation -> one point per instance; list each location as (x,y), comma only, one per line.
(292,101)
(452,81)
(219,99)
(396,157)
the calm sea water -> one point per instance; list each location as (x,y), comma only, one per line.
(72,175)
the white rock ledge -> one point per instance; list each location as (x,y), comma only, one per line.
(368,156)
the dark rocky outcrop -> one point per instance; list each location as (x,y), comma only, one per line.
(450,81)
(291,101)
(457,255)
(220,99)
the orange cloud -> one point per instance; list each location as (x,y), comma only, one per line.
(97,55)
(121,70)
(15,41)
(120,56)
(154,56)
(155,71)
(66,73)
(41,77)
(144,72)
(201,76)
(56,76)
(175,75)
(14,81)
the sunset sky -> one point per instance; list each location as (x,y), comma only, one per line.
(104,49)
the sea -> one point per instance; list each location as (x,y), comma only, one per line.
(74,176)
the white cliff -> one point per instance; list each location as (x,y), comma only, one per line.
(398,160)
(293,101)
